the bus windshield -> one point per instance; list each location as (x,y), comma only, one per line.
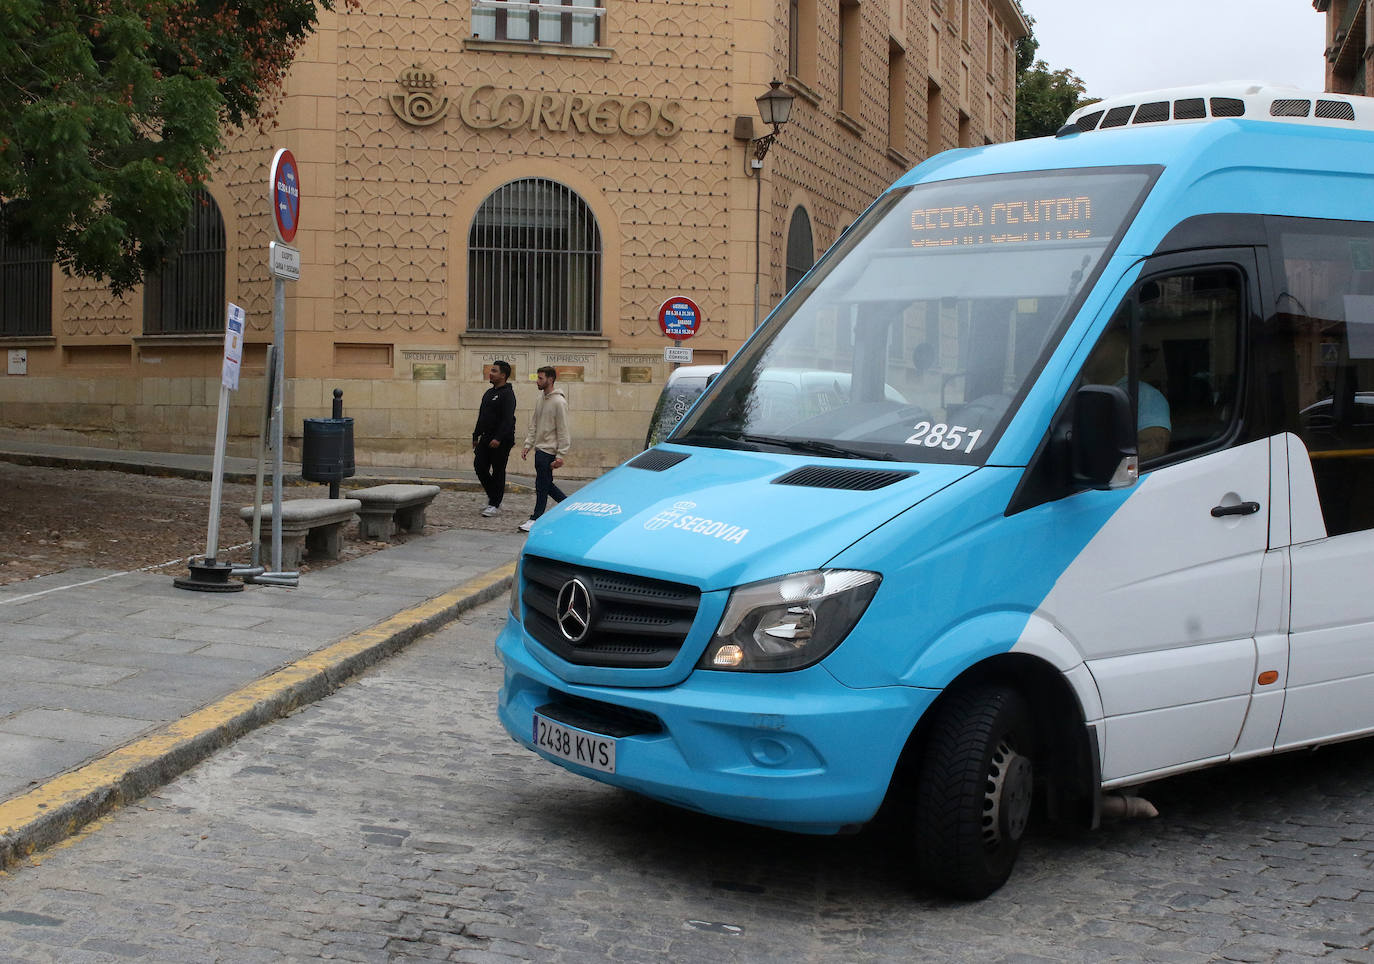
(914,340)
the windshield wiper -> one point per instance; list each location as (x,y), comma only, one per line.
(702,437)
(816,446)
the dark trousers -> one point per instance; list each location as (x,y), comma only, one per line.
(490,465)
(543,483)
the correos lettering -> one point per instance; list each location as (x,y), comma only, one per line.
(484,108)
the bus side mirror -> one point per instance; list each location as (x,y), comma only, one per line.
(1103,444)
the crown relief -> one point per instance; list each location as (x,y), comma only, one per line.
(420,103)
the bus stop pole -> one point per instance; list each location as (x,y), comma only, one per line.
(217,475)
(278,390)
(276,577)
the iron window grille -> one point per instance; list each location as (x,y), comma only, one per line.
(25,283)
(534,261)
(576,23)
(188,295)
(800,250)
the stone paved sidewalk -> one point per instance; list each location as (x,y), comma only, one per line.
(116,680)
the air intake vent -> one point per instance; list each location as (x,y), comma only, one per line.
(858,480)
(1290,108)
(656,460)
(624,621)
(1335,110)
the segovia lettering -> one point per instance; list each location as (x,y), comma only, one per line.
(710,527)
(677,518)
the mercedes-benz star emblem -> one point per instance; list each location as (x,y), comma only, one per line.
(574,610)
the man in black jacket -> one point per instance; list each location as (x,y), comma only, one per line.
(494,435)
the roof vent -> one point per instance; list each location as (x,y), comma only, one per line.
(1185,105)
(1117,116)
(1335,110)
(1088,121)
(1190,108)
(1152,113)
(1228,107)
(1290,108)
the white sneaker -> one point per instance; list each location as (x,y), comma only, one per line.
(526,526)
(490,511)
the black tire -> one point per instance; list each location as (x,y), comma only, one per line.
(973,792)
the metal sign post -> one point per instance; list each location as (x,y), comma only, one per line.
(284,193)
(275,576)
(255,568)
(209,575)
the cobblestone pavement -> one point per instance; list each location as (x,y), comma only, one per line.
(395,821)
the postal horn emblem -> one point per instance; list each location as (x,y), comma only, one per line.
(574,610)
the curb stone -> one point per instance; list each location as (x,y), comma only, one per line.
(292,478)
(64,805)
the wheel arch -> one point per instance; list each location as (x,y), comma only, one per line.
(1066,746)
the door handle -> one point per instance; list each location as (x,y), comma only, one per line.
(1240,508)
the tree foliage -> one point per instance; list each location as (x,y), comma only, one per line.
(1044,98)
(111,112)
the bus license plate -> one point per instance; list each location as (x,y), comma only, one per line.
(576,746)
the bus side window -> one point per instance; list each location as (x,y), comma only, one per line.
(1183,375)
(1325,344)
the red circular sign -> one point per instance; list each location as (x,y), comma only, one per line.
(679,317)
(284,194)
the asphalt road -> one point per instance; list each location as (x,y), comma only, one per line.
(395,821)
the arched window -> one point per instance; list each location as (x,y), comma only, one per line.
(187,296)
(800,250)
(25,283)
(534,261)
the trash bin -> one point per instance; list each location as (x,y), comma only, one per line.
(327,450)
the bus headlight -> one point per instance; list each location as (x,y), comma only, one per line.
(789,622)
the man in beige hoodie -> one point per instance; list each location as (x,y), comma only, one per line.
(548,436)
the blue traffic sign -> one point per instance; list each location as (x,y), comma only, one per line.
(285,195)
(679,317)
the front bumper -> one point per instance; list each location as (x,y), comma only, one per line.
(796,751)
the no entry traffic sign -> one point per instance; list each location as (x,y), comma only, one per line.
(679,317)
(284,193)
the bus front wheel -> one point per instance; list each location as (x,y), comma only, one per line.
(973,792)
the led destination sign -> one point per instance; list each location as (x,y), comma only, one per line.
(1010,221)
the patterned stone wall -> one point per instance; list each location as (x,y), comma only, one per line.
(403,190)
(393,175)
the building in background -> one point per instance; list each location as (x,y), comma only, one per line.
(1349,44)
(483,180)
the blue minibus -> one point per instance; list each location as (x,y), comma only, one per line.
(1092,504)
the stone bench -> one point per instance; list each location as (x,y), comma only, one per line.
(388,508)
(312,526)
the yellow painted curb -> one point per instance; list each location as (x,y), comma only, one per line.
(60,807)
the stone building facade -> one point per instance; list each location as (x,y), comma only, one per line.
(498,179)
(1349,44)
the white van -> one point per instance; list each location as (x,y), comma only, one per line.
(683,387)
